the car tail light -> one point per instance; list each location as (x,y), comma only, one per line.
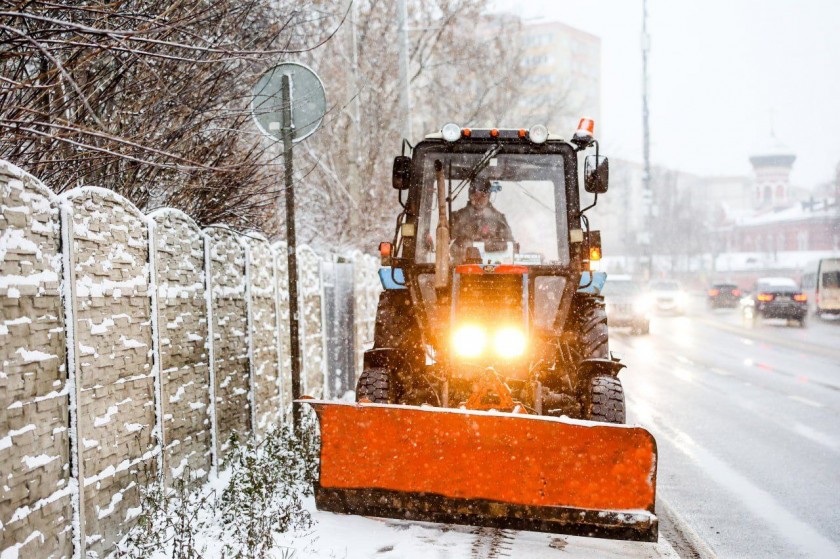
(736,292)
(764,297)
(714,292)
(800,297)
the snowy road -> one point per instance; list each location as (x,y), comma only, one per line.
(353,537)
(747,427)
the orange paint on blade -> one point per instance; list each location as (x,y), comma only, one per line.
(479,455)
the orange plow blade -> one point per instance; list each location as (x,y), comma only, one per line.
(487,469)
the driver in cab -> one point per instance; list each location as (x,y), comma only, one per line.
(479,221)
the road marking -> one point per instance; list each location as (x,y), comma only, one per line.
(766,337)
(720,372)
(815,436)
(762,504)
(685,360)
(806,401)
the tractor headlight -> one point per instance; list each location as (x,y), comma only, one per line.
(510,342)
(469,341)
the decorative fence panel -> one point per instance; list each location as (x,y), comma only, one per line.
(263,321)
(311,317)
(285,362)
(183,356)
(37,489)
(112,346)
(230,353)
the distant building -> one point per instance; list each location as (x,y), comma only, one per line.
(782,230)
(725,227)
(563,82)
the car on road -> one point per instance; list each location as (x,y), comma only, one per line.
(627,304)
(668,296)
(775,297)
(723,296)
(821,282)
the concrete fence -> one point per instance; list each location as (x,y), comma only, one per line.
(132,345)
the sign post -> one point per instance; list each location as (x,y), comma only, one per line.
(299,95)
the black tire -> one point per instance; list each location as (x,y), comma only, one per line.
(593,338)
(606,400)
(375,385)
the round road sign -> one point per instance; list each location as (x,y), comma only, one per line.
(308,101)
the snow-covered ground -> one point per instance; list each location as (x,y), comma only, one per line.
(337,536)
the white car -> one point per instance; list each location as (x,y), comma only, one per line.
(668,296)
(626,304)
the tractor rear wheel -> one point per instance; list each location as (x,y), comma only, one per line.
(375,386)
(606,400)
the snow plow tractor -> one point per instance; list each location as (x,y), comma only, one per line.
(490,397)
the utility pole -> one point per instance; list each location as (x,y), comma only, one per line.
(647,194)
(291,247)
(405,89)
(353,172)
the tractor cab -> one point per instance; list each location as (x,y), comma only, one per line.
(491,246)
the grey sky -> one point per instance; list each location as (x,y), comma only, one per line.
(716,69)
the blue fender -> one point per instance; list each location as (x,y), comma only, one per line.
(597,284)
(389,281)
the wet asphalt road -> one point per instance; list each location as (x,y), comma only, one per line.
(747,423)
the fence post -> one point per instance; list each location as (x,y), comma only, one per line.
(68,292)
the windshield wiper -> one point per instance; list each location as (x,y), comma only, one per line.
(480,166)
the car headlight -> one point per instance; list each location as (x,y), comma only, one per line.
(509,342)
(469,341)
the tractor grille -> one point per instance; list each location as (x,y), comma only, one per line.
(490,297)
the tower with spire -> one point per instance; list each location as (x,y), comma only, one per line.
(772,165)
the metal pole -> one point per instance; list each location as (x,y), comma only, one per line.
(405,89)
(291,246)
(353,148)
(648,210)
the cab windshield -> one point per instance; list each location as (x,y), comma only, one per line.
(510,207)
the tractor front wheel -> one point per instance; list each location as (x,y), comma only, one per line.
(375,386)
(606,400)
(592,328)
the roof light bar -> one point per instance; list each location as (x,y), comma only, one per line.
(538,134)
(451,132)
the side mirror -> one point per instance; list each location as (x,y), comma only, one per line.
(402,172)
(596,174)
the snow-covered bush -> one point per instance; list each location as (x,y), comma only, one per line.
(171,519)
(257,495)
(264,493)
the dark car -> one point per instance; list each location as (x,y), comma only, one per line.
(723,296)
(775,298)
